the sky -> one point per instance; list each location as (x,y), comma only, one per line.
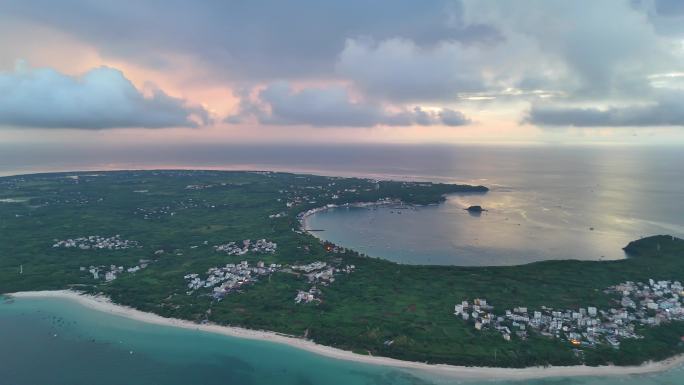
(353,71)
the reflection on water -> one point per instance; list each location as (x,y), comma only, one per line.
(586,204)
(510,232)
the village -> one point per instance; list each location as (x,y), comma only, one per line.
(317,273)
(296,197)
(110,273)
(223,280)
(640,304)
(170,210)
(233,277)
(96,242)
(260,246)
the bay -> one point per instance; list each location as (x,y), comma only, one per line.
(543,203)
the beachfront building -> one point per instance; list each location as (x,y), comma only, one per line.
(637,304)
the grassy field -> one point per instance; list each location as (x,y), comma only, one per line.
(185,213)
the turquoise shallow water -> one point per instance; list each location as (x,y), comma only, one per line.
(72,344)
(59,342)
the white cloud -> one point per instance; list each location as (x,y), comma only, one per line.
(99,99)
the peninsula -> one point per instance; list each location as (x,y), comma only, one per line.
(228,249)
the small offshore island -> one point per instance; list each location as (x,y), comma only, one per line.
(228,248)
(475,209)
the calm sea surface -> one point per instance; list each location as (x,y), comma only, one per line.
(59,342)
(544,203)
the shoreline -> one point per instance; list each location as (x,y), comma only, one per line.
(302,216)
(104,304)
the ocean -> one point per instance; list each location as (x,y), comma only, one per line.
(544,203)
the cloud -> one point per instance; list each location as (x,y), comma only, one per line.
(398,69)
(564,48)
(667,111)
(593,49)
(393,54)
(99,99)
(669,7)
(241,40)
(451,117)
(332,106)
(666,16)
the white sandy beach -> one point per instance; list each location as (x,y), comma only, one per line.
(105,305)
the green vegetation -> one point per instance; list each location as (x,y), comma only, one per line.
(186,213)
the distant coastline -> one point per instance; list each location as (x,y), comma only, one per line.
(105,305)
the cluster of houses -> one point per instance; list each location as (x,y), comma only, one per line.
(322,273)
(310,267)
(110,273)
(172,209)
(154,213)
(640,304)
(231,277)
(261,246)
(298,195)
(317,273)
(297,200)
(313,295)
(96,242)
(650,303)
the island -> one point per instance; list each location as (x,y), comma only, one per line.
(475,209)
(228,248)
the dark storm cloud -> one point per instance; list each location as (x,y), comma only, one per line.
(99,99)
